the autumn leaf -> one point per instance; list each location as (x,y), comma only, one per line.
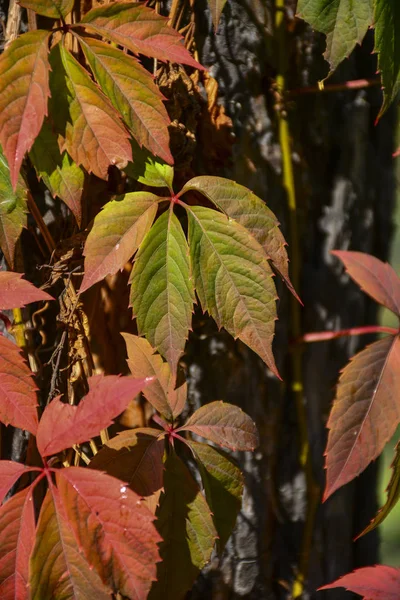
(162,293)
(10,472)
(224,424)
(117,232)
(139,29)
(17,389)
(216,8)
(365,413)
(24,93)
(16,292)
(63,425)
(373,583)
(12,211)
(55,9)
(148,169)
(387,27)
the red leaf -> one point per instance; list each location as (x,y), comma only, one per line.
(16,292)
(223,424)
(376,278)
(374,583)
(17,389)
(365,413)
(10,472)
(139,29)
(113,527)
(63,425)
(17,536)
(24,91)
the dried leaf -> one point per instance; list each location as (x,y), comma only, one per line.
(55,9)
(12,211)
(373,583)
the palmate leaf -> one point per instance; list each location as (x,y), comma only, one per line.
(61,175)
(24,92)
(17,537)
(139,29)
(55,9)
(387,45)
(58,569)
(63,425)
(16,292)
(12,211)
(233,279)
(345,23)
(373,583)
(162,293)
(365,413)
(149,170)
(117,232)
(17,389)
(185,524)
(102,509)
(10,472)
(88,124)
(224,424)
(133,93)
(161,393)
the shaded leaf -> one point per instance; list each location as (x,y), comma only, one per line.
(17,389)
(387,45)
(185,524)
(239,203)
(376,278)
(224,424)
(149,170)
(24,92)
(133,93)
(233,279)
(216,7)
(139,29)
(135,457)
(162,293)
(60,174)
(12,211)
(58,569)
(16,292)
(344,22)
(223,485)
(17,537)
(93,133)
(63,425)
(373,583)
(101,508)
(161,393)
(117,232)
(365,412)
(55,9)
(10,472)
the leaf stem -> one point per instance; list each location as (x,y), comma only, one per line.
(321,336)
(355,84)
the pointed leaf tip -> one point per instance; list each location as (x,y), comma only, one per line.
(16,292)
(373,583)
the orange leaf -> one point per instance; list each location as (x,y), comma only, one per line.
(16,292)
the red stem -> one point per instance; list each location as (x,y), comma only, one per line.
(355,84)
(321,336)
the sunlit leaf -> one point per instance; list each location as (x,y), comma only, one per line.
(102,509)
(216,8)
(10,472)
(63,425)
(139,29)
(365,413)
(58,569)
(133,93)
(233,279)
(149,170)
(185,524)
(224,424)
(162,293)
(17,537)
(55,9)
(12,211)
(93,133)
(61,175)
(223,485)
(117,232)
(24,92)
(17,389)
(143,361)
(345,23)
(16,292)
(387,45)
(373,583)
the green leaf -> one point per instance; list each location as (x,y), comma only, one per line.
(161,393)
(186,526)
(162,292)
(387,45)
(149,170)
(61,175)
(55,9)
(344,22)
(90,128)
(233,279)
(12,211)
(239,203)
(216,7)
(133,93)
(117,232)
(223,485)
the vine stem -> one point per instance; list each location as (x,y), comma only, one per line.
(297,387)
(321,336)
